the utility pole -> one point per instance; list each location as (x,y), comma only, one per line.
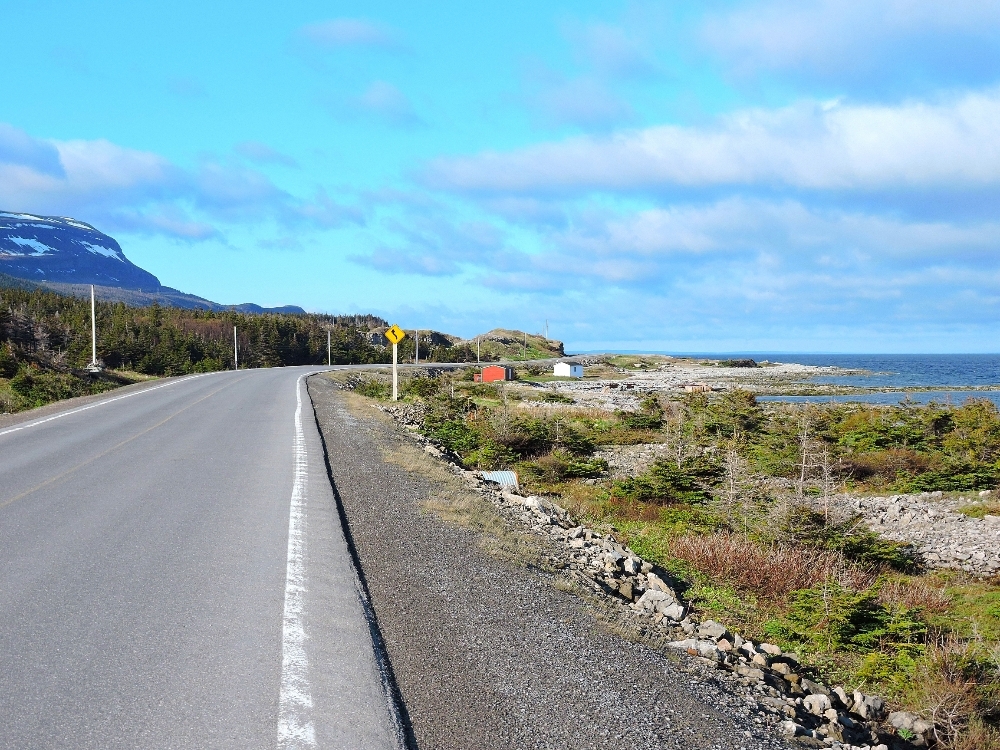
(416,350)
(329,360)
(477,350)
(236,352)
(524,351)
(93,329)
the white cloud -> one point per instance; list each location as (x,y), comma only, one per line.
(953,143)
(131,190)
(611,50)
(583,101)
(388,103)
(17,148)
(349,32)
(261,153)
(787,33)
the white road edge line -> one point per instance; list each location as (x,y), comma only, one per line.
(62,414)
(295,724)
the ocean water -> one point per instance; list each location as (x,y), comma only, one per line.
(936,371)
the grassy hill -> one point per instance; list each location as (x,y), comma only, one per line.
(505,344)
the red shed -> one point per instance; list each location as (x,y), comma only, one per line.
(497,372)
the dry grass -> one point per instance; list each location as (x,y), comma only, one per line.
(949,688)
(769,573)
(926,595)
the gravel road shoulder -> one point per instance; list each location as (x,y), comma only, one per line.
(488,648)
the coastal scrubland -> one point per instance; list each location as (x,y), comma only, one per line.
(732,507)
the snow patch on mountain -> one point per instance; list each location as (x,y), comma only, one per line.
(68,251)
(38,247)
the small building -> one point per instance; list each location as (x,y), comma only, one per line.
(493,373)
(568,370)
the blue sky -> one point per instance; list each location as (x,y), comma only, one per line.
(814,175)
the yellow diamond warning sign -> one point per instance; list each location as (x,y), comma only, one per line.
(395,334)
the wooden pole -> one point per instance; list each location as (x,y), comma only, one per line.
(93,328)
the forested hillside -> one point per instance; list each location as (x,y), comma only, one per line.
(45,343)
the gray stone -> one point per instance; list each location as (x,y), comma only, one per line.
(655,582)
(625,589)
(712,629)
(770,648)
(814,687)
(789,728)
(674,611)
(843,697)
(781,668)
(817,703)
(749,672)
(910,722)
(868,707)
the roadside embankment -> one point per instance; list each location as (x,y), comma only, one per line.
(492,642)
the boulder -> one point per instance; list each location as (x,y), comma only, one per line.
(868,707)
(712,629)
(814,687)
(789,728)
(817,703)
(655,582)
(911,723)
(845,700)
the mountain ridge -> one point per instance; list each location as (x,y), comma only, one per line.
(67,255)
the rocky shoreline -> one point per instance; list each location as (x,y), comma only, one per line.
(778,691)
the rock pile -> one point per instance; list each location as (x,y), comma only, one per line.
(630,460)
(943,537)
(779,691)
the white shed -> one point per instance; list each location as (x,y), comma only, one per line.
(568,370)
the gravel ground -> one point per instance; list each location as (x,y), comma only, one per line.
(486,651)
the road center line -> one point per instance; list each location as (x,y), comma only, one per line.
(116,446)
(62,414)
(296,730)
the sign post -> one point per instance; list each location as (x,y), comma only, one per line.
(395,334)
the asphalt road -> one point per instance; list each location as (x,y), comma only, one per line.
(173,575)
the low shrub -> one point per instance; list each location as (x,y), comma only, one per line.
(373,388)
(489,455)
(768,572)
(420,386)
(665,483)
(560,464)
(804,526)
(453,434)
(554,397)
(834,617)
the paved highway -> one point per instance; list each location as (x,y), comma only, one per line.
(173,575)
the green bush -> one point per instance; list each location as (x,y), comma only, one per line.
(420,386)
(665,483)
(804,526)
(453,434)
(489,455)
(554,397)
(561,464)
(734,412)
(373,388)
(836,618)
